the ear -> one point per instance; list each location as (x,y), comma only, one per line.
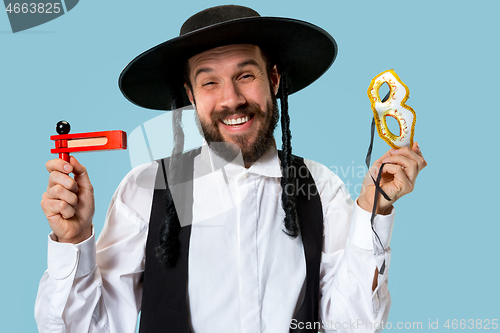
(275,79)
(189,93)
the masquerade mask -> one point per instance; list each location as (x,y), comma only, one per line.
(393,106)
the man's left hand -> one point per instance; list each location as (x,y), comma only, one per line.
(398,177)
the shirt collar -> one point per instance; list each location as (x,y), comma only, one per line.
(267,165)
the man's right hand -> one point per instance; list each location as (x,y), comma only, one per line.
(68,203)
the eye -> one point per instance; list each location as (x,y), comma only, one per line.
(209,85)
(247,77)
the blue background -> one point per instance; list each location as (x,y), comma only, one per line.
(445,252)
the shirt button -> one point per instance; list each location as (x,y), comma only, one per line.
(242,179)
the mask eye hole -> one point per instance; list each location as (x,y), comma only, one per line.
(393,125)
(383,90)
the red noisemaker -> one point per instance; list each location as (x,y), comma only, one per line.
(79,142)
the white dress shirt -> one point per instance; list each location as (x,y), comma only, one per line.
(239,257)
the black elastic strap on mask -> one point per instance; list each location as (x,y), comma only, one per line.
(378,189)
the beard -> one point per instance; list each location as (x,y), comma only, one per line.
(262,139)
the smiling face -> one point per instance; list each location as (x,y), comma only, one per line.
(234,97)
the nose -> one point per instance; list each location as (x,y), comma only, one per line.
(231,96)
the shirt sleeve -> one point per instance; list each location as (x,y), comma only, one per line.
(349,261)
(97,287)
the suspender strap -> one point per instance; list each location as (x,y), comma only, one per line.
(164,307)
(309,210)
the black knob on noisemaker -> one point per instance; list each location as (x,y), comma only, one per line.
(63,127)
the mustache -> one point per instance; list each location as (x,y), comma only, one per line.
(249,109)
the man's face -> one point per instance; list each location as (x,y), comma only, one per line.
(235,97)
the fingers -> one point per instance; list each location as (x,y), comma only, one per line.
(59,170)
(411,160)
(409,166)
(60,165)
(58,192)
(401,182)
(401,168)
(81,175)
(387,154)
(53,207)
(416,149)
(68,203)
(59,200)
(62,191)
(59,178)
(414,154)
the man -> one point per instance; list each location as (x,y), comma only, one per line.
(254,254)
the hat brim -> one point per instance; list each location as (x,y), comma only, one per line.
(303,49)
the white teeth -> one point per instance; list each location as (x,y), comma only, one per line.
(236,121)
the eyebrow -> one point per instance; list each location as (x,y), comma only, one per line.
(202,70)
(248,62)
(240,65)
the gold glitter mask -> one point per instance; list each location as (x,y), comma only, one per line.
(394,107)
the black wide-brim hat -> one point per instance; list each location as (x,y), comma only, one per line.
(302,49)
